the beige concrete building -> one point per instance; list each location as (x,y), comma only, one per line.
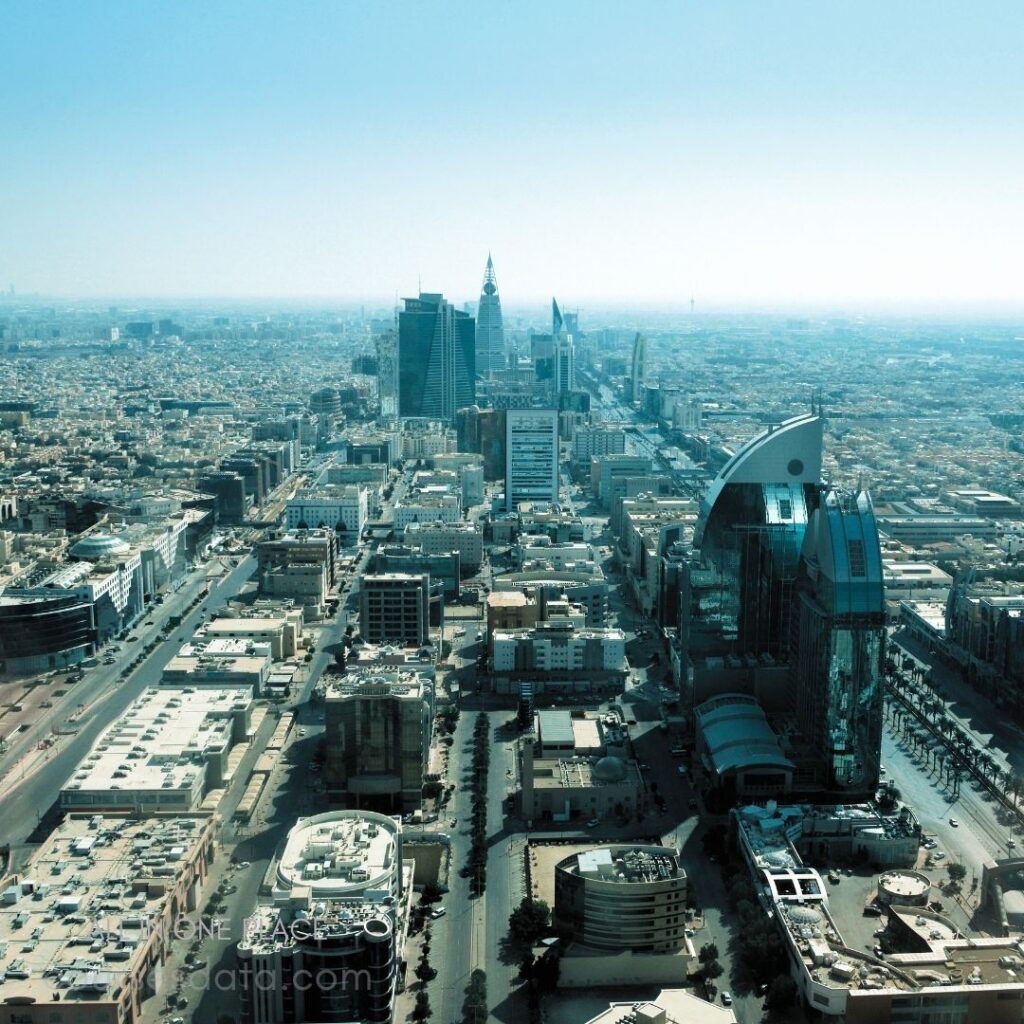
(283,631)
(86,928)
(623,909)
(378,727)
(327,943)
(163,754)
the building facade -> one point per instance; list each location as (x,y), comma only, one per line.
(436,358)
(395,608)
(531,453)
(490,332)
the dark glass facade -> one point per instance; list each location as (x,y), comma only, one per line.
(839,640)
(436,358)
(42,630)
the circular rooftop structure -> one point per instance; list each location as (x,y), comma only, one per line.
(803,915)
(907,887)
(610,769)
(98,546)
(342,854)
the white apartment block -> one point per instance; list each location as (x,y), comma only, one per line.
(327,507)
(424,507)
(531,456)
(440,538)
(589,442)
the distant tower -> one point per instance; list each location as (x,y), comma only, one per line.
(436,358)
(639,375)
(387,373)
(556,319)
(565,364)
(490,332)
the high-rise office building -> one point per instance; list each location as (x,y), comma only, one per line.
(395,608)
(387,373)
(490,334)
(531,453)
(639,370)
(436,358)
(377,726)
(839,644)
(739,588)
(565,364)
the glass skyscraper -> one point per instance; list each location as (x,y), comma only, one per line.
(436,358)
(839,644)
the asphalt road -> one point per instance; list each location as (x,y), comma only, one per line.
(26,802)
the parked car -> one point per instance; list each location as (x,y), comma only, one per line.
(438,912)
(593,823)
(727,999)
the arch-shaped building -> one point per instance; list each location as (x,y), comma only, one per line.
(738,591)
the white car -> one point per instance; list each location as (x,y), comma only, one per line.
(939,855)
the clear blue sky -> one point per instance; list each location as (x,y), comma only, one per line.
(796,152)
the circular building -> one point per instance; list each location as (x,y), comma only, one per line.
(909,888)
(622,897)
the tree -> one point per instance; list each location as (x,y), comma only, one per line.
(707,953)
(529,921)
(474,1008)
(526,966)
(957,872)
(339,658)
(782,993)
(711,970)
(422,1010)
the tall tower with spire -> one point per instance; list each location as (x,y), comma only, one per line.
(490,333)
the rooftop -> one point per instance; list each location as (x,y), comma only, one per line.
(161,741)
(73,927)
(341,854)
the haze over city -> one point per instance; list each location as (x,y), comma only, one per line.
(795,154)
(511,513)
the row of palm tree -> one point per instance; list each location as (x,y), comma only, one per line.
(915,702)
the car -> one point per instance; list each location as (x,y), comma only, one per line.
(593,823)
(438,912)
(691,803)
(881,769)
(453,822)
(727,999)
(930,844)
(245,864)
(177,1020)
(954,823)
(133,639)
(939,855)
(302,732)
(680,769)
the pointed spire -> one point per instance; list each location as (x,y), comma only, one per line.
(490,285)
(556,318)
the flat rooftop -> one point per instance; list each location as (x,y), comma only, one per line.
(72,928)
(162,739)
(340,854)
(627,864)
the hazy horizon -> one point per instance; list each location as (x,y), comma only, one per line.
(784,157)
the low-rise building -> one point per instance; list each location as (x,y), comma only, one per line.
(283,631)
(342,508)
(558,651)
(86,926)
(434,538)
(622,911)
(426,507)
(164,753)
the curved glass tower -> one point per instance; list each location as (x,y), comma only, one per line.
(490,333)
(840,644)
(739,589)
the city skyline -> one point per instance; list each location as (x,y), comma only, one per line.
(791,156)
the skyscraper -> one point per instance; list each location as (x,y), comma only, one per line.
(839,644)
(739,590)
(556,319)
(531,453)
(436,358)
(387,373)
(565,364)
(490,333)
(639,372)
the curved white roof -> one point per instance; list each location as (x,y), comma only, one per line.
(787,453)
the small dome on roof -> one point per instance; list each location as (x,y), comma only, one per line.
(610,769)
(98,546)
